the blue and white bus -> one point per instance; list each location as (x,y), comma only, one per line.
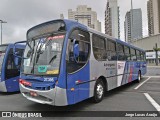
(67,62)
(9,72)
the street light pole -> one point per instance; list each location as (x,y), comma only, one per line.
(1,29)
(131,4)
(1,32)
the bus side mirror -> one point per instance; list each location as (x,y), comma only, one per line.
(16,61)
(75,49)
(16,54)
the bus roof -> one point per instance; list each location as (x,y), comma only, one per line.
(70,23)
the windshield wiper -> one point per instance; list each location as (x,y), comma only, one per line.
(53,58)
(39,51)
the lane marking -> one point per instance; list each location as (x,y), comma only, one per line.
(142,83)
(152,101)
(153,76)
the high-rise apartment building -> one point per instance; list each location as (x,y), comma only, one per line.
(153,8)
(133,25)
(86,16)
(61,16)
(112,24)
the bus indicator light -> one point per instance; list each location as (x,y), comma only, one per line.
(25,83)
(72,89)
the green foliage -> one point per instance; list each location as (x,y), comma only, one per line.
(156,49)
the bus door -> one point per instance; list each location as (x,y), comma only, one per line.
(12,72)
(78,74)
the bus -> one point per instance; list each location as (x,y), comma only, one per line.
(9,72)
(66,62)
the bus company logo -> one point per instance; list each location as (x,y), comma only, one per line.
(109,65)
(6,114)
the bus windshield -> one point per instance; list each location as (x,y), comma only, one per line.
(2,54)
(43,55)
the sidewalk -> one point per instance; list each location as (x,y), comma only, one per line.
(153,66)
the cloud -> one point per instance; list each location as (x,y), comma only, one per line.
(24,14)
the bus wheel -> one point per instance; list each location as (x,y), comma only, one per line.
(98,91)
(139,77)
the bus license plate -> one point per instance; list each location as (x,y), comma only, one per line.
(34,94)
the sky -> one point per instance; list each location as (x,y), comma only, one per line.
(21,15)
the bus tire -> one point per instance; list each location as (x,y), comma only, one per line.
(139,76)
(99,91)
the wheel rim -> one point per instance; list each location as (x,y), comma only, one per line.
(99,91)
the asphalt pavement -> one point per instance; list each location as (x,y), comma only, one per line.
(143,96)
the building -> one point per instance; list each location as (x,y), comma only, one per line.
(86,16)
(153,9)
(133,25)
(61,16)
(150,17)
(112,21)
(127,27)
(148,44)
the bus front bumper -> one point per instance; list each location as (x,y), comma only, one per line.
(56,96)
(43,97)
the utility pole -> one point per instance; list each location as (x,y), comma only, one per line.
(156,50)
(131,4)
(1,21)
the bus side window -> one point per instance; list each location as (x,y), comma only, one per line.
(99,48)
(127,53)
(11,69)
(120,52)
(143,56)
(138,55)
(133,54)
(83,39)
(111,50)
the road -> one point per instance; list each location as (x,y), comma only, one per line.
(143,96)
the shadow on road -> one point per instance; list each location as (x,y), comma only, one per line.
(8,93)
